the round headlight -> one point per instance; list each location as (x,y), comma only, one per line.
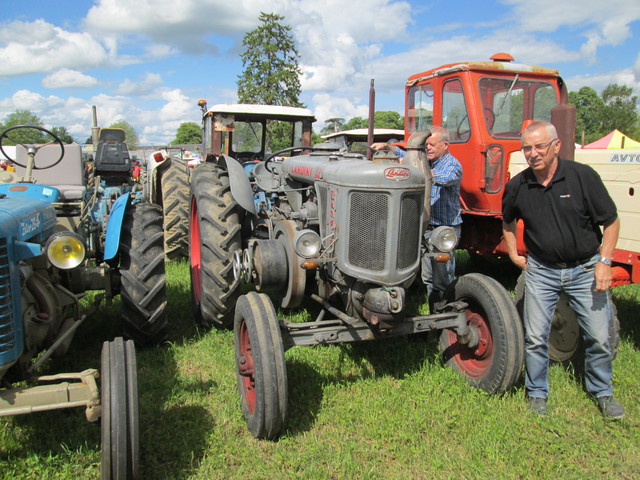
(307,243)
(444,239)
(66,250)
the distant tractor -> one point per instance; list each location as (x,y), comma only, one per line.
(168,174)
(332,227)
(355,140)
(61,237)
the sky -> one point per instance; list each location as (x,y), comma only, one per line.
(148,62)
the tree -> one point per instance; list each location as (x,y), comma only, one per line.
(596,116)
(333,125)
(589,107)
(131,138)
(271,74)
(381,119)
(619,109)
(27,136)
(62,134)
(188,132)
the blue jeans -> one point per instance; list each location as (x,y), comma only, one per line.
(543,284)
(437,276)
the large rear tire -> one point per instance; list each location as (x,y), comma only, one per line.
(143,281)
(214,236)
(260,365)
(119,423)
(174,185)
(495,363)
(565,340)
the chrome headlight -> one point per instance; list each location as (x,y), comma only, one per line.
(66,250)
(307,243)
(444,238)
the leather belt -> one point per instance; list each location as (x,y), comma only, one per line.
(573,264)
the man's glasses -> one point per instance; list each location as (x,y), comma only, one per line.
(541,147)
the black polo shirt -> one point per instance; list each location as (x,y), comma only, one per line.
(561,220)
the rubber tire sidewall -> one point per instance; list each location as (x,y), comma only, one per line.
(487,297)
(143,291)
(256,311)
(218,216)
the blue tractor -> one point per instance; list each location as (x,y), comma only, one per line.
(64,233)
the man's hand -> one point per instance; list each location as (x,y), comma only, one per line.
(603,277)
(519,261)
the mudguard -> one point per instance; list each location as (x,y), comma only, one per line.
(240,185)
(114,227)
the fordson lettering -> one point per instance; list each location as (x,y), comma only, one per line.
(302,170)
(397,173)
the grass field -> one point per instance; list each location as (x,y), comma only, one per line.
(383,410)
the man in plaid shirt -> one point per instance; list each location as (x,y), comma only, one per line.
(445,210)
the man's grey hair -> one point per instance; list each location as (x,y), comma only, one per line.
(443,132)
(537,125)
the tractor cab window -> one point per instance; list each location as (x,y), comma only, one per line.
(247,137)
(455,117)
(420,107)
(508,102)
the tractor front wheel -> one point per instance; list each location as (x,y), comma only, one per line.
(260,365)
(119,422)
(494,362)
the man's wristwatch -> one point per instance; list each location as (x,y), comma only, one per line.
(605,260)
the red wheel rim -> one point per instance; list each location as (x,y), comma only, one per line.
(195,261)
(245,368)
(474,362)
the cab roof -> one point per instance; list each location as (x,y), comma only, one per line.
(247,111)
(501,62)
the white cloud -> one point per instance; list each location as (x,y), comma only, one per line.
(65,78)
(629,77)
(606,23)
(144,87)
(32,47)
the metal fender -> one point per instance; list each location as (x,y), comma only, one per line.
(114,226)
(240,186)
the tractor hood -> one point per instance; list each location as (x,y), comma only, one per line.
(26,219)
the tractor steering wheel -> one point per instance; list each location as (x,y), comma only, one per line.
(289,149)
(55,140)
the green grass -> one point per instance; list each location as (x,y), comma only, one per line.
(377,410)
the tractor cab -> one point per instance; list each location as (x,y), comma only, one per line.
(485,105)
(250,132)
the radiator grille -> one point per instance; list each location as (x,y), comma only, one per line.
(409,240)
(7,329)
(368,230)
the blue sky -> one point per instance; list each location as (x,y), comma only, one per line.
(149,61)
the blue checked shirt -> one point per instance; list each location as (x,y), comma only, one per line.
(445,191)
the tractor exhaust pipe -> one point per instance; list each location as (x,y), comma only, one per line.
(416,157)
(372,115)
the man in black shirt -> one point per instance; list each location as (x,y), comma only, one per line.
(562,205)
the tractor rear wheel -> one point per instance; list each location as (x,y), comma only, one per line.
(495,363)
(260,365)
(119,422)
(174,185)
(565,340)
(214,236)
(143,280)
